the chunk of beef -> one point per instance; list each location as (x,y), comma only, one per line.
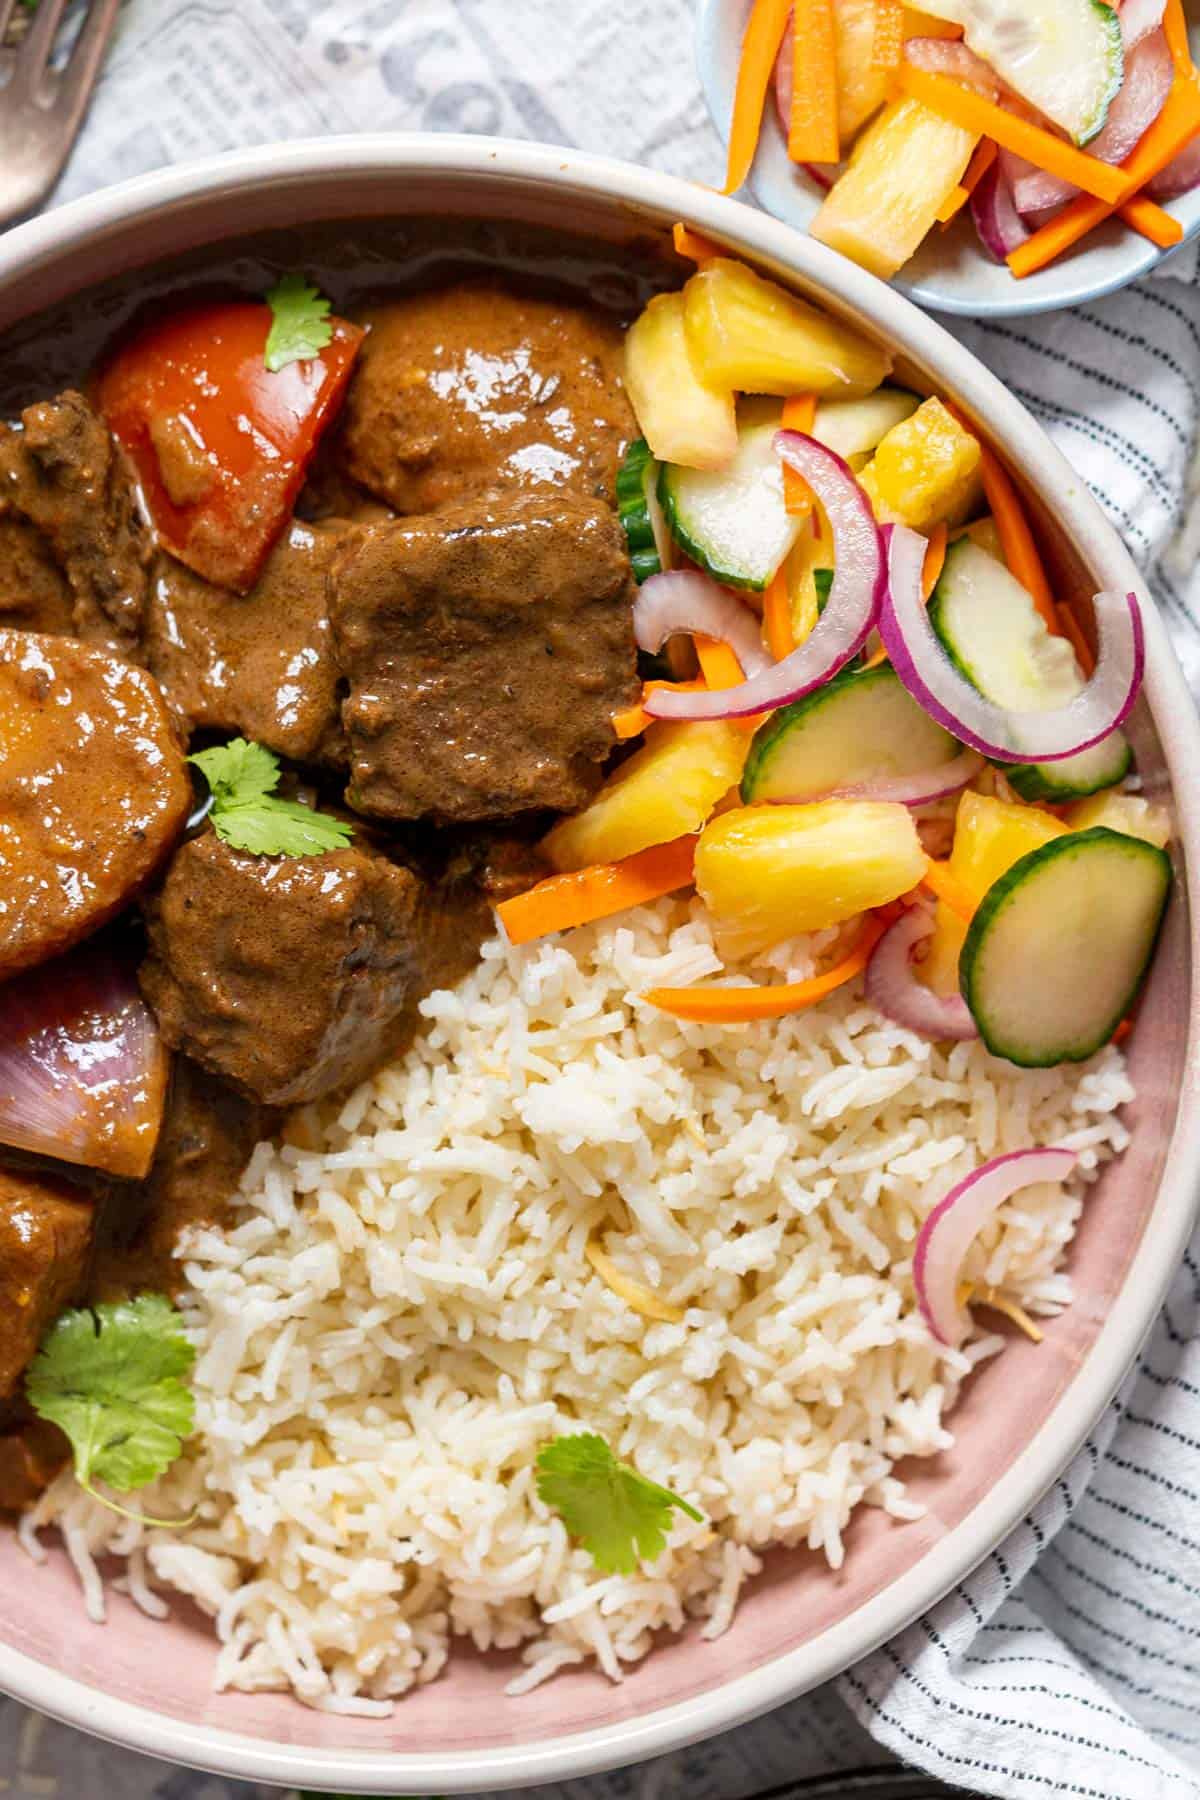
(32,1451)
(486,649)
(208,1133)
(62,474)
(293,977)
(468,389)
(261,664)
(93,791)
(45,1240)
(34,592)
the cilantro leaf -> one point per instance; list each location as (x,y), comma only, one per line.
(616,1513)
(274,827)
(300,326)
(111,1377)
(238,771)
(247,813)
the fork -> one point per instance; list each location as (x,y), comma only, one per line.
(42,107)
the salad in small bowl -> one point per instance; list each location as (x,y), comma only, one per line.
(994,159)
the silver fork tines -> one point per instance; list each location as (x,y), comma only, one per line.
(41,106)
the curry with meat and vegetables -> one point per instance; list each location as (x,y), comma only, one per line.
(325,635)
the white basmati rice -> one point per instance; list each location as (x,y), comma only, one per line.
(401,1312)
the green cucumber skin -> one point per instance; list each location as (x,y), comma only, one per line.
(1000,894)
(938,600)
(1038,781)
(694,551)
(634,513)
(779,724)
(1032,781)
(1112,25)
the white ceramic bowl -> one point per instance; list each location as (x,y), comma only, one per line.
(147,1684)
(949,273)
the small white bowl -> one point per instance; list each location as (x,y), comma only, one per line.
(950,272)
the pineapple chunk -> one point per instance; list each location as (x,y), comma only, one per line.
(925,472)
(683,419)
(768,872)
(983,532)
(989,837)
(1122,812)
(667,788)
(887,199)
(747,333)
(861,88)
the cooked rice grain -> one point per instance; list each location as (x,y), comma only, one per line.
(402,1312)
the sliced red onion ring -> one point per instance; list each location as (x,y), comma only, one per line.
(948,697)
(955,1223)
(850,612)
(685,600)
(1137,103)
(949,56)
(1180,176)
(1000,226)
(1138,19)
(913,790)
(896,991)
(83,1072)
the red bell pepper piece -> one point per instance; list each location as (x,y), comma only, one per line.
(220,444)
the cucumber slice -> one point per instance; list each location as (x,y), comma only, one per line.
(852,428)
(733,521)
(1059,945)
(995,635)
(640,514)
(857,727)
(1063,56)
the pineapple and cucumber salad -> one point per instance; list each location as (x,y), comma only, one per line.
(808,786)
(906,149)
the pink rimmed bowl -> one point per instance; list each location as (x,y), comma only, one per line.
(148,1685)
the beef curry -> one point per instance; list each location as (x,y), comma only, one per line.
(391,560)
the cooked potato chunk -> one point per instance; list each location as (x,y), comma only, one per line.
(93,791)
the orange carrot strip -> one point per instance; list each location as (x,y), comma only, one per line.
(1122,1032)
(719,666)
(982,158)
(777,616)
(940,881)
(887,39)
(1016,539)
(1173,130)
(975,113)
(799,414)
(1153,221)
(1070,628)
(953,204)
(563,901)
(742,1006)
(935,556)
(693,244)
(1176,33)
(634,719)
(760,48)
(813,127)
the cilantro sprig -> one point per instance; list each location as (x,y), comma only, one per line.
(300,323)
(618,1516)
(113,1379)
(249,815)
